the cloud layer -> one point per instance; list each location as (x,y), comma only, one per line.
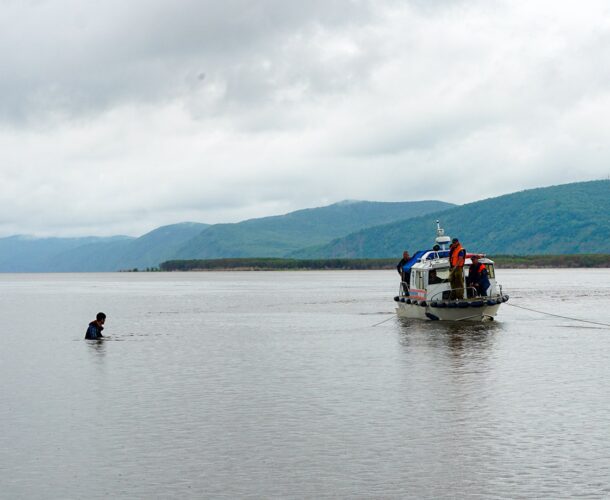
(119,118)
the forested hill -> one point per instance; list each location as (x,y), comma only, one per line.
(279,235)
(146,251)
(565,219)
(268,236)
(557,220)
(30,254)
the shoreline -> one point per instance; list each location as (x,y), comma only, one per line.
(588,261)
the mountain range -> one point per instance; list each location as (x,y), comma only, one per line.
(281,235)
(266,236)
(565,219)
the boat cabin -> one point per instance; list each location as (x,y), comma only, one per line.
(429,278)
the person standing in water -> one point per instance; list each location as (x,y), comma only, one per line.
(94,330)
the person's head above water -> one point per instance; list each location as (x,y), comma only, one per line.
(101,317)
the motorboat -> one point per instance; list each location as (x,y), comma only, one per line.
(428,294)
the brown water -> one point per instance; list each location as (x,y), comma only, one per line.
(300,385)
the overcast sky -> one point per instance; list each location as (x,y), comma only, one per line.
(117,117)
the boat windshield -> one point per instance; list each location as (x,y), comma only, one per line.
(491,273)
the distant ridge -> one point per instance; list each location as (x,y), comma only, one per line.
(279,235)
(268,236)
(29,254)
(141,253)
(557,220)
(565,219)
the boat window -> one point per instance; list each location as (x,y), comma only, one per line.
(491,273)
(420,280)
(436,276)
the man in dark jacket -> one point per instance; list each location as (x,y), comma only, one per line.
(404,275)
(94,331)
(478,278)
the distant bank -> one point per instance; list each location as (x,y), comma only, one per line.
(273,264)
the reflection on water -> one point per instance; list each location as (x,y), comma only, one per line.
(456,337)
(98,346)
(298,385)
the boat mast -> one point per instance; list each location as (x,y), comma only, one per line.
(441,239)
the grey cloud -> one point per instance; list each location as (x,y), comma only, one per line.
(68,58)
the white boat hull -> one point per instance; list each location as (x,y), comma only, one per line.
(413,311)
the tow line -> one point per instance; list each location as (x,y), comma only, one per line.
(559,316)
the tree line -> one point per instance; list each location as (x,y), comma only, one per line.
(271,264)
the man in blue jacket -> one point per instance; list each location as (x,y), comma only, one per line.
(478,277)
(94,331)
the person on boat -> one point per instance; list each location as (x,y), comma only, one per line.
(433,278)
(457,257)
(404,275)
(94,331)
(478,277)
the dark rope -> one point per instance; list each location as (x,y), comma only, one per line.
(558,316)
(388,319)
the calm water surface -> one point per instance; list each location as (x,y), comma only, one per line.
(300,385)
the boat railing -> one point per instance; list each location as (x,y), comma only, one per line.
(474,293)
(436,256)
(471,292)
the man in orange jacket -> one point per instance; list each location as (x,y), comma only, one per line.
(457,257)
